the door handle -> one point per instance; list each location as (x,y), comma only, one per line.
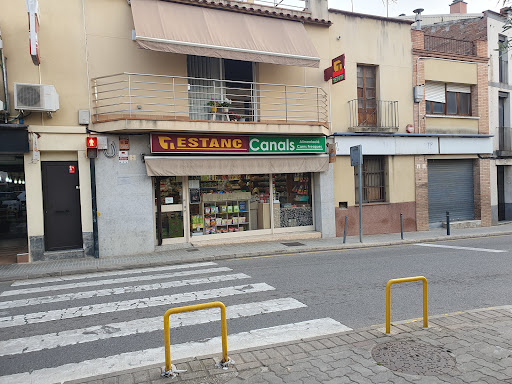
(63,211)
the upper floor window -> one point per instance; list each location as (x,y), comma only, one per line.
(503,61)
(367,95)
(448,99)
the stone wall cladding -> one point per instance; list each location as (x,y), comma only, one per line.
(377,218)
(481,172)
(421,172)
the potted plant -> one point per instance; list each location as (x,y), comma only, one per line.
(233,116)
(214,104)
(225,105)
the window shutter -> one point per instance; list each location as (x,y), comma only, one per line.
(461,88)
(435,92)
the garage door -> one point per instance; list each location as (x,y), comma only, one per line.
(450,188)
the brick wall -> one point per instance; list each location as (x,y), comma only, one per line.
(482,191)
(421,173)
(467,29)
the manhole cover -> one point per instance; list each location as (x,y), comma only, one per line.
(192,250)
(413,358)
(293,244)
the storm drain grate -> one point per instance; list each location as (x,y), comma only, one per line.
(293,244)
(192,250)
(414,358)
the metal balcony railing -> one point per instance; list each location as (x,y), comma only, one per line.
(159,97)
(373,115)
(447,45)
(504,139)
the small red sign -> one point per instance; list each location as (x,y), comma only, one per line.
(338,69)
(71,169)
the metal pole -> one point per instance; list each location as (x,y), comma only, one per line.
(345,231)
(447,223)
(401,226)
(94,209)
(360,202)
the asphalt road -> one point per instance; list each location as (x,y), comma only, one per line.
(78,326)
(349,285)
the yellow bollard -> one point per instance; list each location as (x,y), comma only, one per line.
(190,308)
(388,299)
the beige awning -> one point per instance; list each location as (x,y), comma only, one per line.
(233,165)
(193,30)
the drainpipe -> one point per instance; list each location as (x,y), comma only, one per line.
(94,207)
(4,80)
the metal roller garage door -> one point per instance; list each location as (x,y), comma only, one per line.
(450,188)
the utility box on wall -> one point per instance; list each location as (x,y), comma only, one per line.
(419,93)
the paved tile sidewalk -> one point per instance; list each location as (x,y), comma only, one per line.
(186,253)
(465,347)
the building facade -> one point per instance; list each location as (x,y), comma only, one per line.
(455,180)
(205,135)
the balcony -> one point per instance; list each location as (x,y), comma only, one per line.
(446,45)
(373,115)
(200,104)
(504,141)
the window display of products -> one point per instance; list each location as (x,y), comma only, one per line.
(293,191)
(224,202)
(219,204)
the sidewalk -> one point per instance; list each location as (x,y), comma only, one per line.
(209,253)
(464,347)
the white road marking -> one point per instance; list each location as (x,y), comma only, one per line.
(139,326)
(46,280)
(461,248)
(117,291)
(122,280)
(136,359)
(96,309)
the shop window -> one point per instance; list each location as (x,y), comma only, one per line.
(293,192)
(373,179)
(229,203)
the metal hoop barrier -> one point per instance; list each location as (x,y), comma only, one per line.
(388,299)
(169,368)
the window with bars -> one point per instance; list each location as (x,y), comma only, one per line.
(373,179)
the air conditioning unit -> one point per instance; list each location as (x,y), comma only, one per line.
(35,97)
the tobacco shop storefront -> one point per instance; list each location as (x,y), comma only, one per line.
(218,187)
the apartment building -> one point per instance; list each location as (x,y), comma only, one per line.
(487,26)
(451,75)
(209,128)
(373,107)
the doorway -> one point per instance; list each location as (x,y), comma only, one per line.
(61,203)
(170,209)
(367,95)
(220,89)
(13,209)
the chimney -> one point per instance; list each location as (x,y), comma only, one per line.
(418,18)
(459,6)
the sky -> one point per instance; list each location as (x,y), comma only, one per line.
(431,7)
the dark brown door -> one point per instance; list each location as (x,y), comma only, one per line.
(366,95)
(61,201)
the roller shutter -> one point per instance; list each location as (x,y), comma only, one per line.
(450,188)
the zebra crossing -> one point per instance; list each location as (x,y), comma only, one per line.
(57,329)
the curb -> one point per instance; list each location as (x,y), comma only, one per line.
(370,329)
(299,250)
